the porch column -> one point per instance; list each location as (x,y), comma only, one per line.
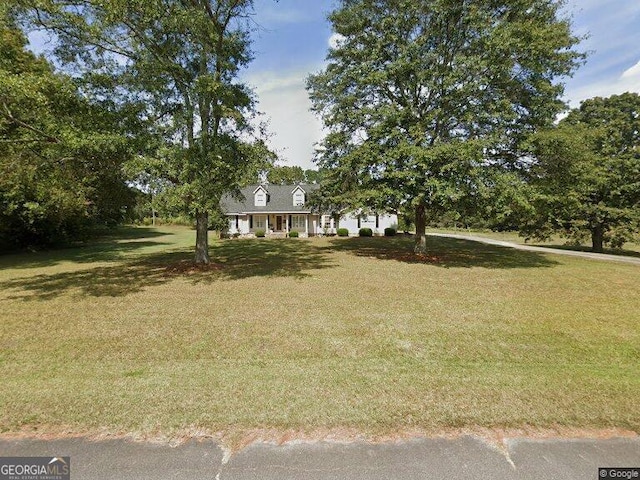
(267,225)
(306,224)
(286,223)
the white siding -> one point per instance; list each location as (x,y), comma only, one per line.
(244,224)
(368,221)
(260,198)
(387,221)
(298,198)
(350,222)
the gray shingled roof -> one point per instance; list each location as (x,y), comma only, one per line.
(280,199)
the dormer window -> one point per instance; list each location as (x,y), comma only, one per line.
(260,197)
(298,197)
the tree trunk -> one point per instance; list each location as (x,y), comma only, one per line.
(202,237)
(421,227)
(597,238)
(153,212)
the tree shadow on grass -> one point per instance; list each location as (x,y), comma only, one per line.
(581,248)
(442,252)
(231,260)
(107,247)
(273,257)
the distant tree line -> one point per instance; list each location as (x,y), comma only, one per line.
(286,175)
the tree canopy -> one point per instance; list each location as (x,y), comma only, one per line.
(421,97)
(60,152)
(586,176)
(181,61)
(284,175)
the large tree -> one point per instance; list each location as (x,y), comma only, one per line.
(420,96)
(285,175)
(586,176)
(181,58)
(60,153)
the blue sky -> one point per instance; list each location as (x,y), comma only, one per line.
(292,36)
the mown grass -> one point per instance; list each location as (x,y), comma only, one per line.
(125,336)
(631,249)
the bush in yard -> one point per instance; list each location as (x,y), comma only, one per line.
(365,232)
(343,232)
(389,232)
(293,234)
(260,233)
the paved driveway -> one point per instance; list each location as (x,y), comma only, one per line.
(530,248)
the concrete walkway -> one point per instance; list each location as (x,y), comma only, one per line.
(529,248)
(462,458)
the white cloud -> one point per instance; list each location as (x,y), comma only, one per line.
(612,65)
(633,72)
(627,81)
(335,39)
(283,98)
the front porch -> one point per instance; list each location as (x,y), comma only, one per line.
(280,224)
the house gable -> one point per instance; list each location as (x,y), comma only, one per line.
(260,196)
(299,196)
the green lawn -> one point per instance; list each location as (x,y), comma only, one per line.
(631,249)
(124,335)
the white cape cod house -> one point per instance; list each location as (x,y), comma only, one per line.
(280,209)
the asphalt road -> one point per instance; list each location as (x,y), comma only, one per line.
(462,458)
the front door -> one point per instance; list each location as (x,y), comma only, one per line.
(279,223)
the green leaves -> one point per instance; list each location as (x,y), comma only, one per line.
(60,153)
(588,171)
(418,97)
(178,60)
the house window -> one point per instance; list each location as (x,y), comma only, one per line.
(298,222)
(298,198)
(259,222)
(326,221)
